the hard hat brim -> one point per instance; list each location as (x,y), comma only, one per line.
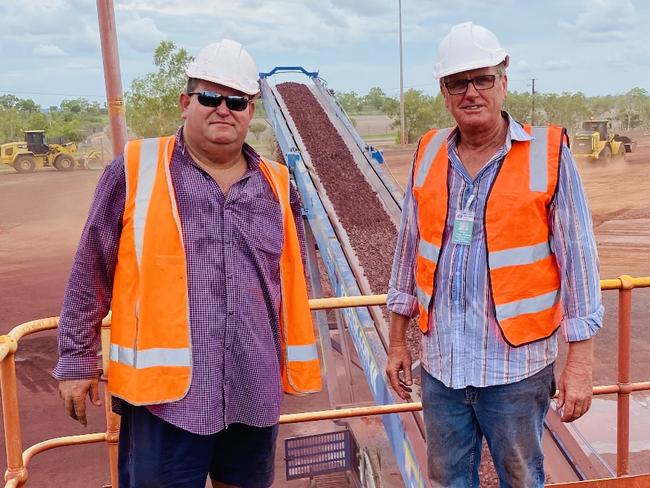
(439,73)
(248,89)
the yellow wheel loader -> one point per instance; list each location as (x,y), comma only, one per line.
(34,152)
(595,140)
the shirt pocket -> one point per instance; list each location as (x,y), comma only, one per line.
(267,226)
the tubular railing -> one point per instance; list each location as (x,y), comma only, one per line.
(17,459)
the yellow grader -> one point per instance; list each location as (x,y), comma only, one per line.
(595,140)
(34,152)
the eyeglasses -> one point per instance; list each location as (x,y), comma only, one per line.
(214,99)
(459,86)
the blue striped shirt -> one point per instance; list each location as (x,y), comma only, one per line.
(464,345)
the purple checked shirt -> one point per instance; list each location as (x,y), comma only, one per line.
(233,245)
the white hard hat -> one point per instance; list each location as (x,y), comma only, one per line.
(226,63)
(467,46)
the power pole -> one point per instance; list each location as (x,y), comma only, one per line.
(532,101)
(402,138)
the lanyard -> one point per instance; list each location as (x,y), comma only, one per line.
(464,223)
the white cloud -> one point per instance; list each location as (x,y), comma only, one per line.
(603,20)
(353,43)
(141,34)
(49,51)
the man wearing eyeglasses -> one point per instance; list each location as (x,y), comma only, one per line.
(495,254)
(195,243)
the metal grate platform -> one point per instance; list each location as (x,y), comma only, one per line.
(314,455)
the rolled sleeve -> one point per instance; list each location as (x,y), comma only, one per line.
(574,245)
(401,290)
(583,328)
(402,303)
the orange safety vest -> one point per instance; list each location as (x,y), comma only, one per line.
(523,272)
(150,364)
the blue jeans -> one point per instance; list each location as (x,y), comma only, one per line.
(511,417)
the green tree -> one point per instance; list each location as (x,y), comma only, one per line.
(566,110)
(631,107)
(350,101)
(256,128)
(519,105)
(421,113)
(73,120)
(152,103)
(260,110)
(375,99)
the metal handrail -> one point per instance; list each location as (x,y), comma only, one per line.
(17,460)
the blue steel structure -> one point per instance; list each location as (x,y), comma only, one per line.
(365,336)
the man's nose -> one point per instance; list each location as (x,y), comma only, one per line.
(471,89)
(222,108)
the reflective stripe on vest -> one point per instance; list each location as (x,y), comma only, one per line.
(524,277)
(428,156)
(519,255)
(149,358)
(301,367)
(150,364)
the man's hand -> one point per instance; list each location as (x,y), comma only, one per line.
(575,386)
(74,392)
(399,359)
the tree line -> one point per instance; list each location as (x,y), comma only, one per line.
(422,111)
(71,121)
(152,107)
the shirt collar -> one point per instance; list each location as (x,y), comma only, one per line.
(516,132)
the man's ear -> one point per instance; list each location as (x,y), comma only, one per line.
(183,103)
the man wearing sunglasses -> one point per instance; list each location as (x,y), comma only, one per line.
(495,255)
(195,242)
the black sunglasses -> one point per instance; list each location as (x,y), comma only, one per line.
(458,87)
(214,99)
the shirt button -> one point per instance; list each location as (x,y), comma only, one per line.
(456,302)
(230,312)
(230,277)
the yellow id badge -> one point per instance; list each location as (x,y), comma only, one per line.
(463,226)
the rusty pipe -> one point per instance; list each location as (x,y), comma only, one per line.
(624,367)
(112,77)
(16,470)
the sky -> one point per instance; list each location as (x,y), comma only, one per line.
(50,49)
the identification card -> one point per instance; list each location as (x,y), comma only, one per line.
(463,226)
